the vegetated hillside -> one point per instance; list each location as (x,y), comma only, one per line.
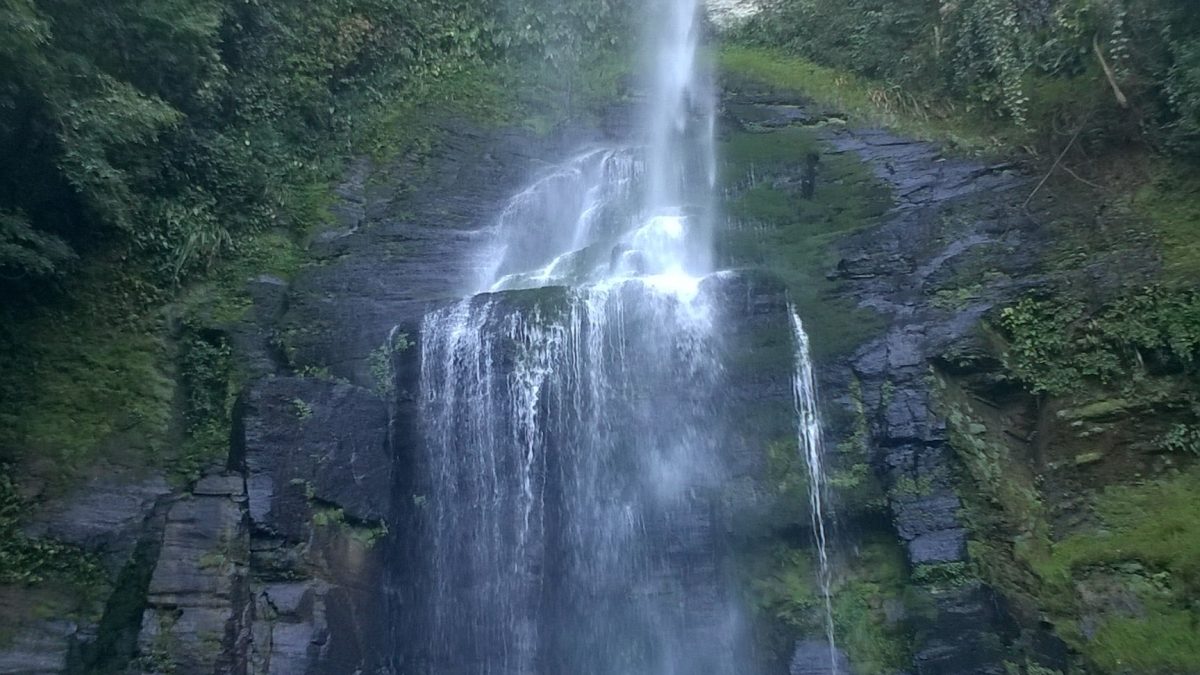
(1110,71)
(1072,412)
(158,153)
(172,129)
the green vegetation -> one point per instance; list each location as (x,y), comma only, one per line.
(95,370)
(788,592)
(1055,343)
(366,535)
(773,226)
(868,600)
(1163,643)
(380,362)
(26,560)
(788,476)
(205,376)
(1156,523)
(93,376)
(1170,200)
(1148,546)
(1106,71)
(1000,482)
(876,642)
(302,409)
(169,131)
(944,575)
(849,476)
(863,101)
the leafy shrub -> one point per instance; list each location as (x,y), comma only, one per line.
(26,560)
(1133,65)
(171,129)
(1055,343)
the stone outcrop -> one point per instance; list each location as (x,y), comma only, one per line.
(946,215)
(197,606)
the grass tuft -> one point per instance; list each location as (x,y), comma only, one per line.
(864,101)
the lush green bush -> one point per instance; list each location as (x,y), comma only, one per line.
(1055,344)
(1108,69)
(28,560)
(171,127)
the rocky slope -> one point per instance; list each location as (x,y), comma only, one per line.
(983,482)
(274,563)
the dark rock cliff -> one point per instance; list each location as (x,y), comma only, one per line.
(886,267)
(275,563)
(958,240)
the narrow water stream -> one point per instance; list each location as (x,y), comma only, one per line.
(812,446)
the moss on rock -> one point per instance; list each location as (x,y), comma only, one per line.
(774,226)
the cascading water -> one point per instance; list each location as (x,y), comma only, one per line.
(570,467)
(568,495)
(812,448)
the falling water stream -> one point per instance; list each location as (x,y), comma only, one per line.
(812,447)
(571,469)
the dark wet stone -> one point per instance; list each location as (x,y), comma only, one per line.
(940,546)
(197,602)
(105,515)
(907,416)
(812,657)
(919,516)
(305,440)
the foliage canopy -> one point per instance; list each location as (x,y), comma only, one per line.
(1112,70)
(168,128)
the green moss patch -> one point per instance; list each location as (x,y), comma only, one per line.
(1156,523)
(529,96)
(869,602)
(90,378)
(1171,201)
(1160,644)
(864,100)
(773,226)
(1147,543)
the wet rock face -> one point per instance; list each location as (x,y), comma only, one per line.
(814,658)
(397,247)
(311,441)
(197,603)
(893,270)
(277,565)
(947,217)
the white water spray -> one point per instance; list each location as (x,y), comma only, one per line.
(568,412)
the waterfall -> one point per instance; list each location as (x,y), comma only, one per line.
(812,448)
(571,476)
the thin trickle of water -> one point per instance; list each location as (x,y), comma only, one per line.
(812,448)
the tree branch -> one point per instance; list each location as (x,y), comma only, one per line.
(1109,73)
